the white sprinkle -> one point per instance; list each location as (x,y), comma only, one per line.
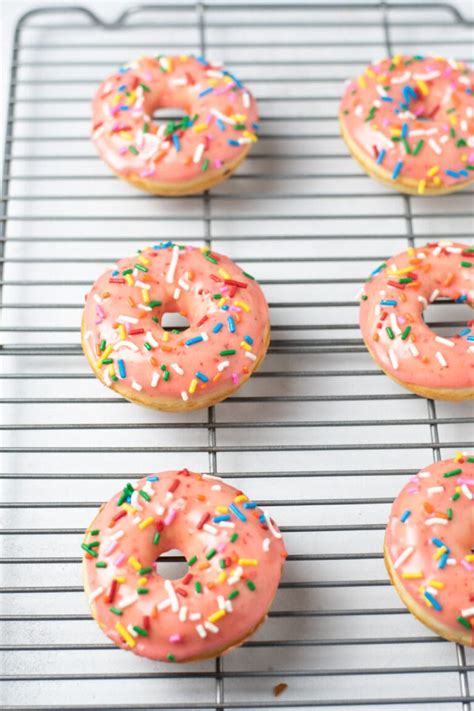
(125,344)
(201,631)
(423,301)
(394,322)
(151,340)
(184,285)
(179,81)
(204,336)
(446,341)
(134,501)
(424,475)
(266,544)
(246,99)
(142,284)
(441,359)
(224,364)
(358,110)
(195,616)
(222,117)
(434,490)
(177,369)
(132,631)
(251,356)
(97,298)
(426,77)
(160,510)
(463,125)
(270,525)
(236,576)
(123,318)
(444,139)
(212,628)
(155,378)
(434,520)
(184,395)
(434,295)
(228,606)
(212,476)
(401,78)
(183,613)
(164,604)
(172,266)
(127,601)
(226,524)
(393,358)
(98,591)
(434,146)
(174,600)
(468,612)
(221,602)
(216,487)
(210,529)
(466,491)
(413,350)
(117,535)
(198,153)
(451,561)
(453,250)
(437,250)
(144,307)
(403,557)
(136,386)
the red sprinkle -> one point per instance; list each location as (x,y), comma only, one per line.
(116,280)
(184,472)
(159,525)
(395,284)
(202,320)
(233,282)
(205,517)
(174,485)
(187,578)
(113,588)
(182,592)
(117,516)
(136,331)
(146,622)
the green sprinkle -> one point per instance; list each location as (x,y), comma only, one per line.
(450,514)
(469,166)
(406,145)
(146,127)
(95,532)
(211,554)
(466,264)
(396,139)
(450,111)
(455,496)
(418,147)
(156,538)
(222,563)
(140,631)
(144,87)
(231,351)
(94,544)
(143,494)
(462,620)
(140,267)
(461,142)
(251,585)
(248,275)
(217,296)
(371,114)
(145,571)
(364,297)
(192,560)
(234,537)
(171,657)
(91,551)
(453,472)
(469,459)
(233,594)
(405,280)
(102,344)
(390,333)
(152,304)
(107,361)
(116,610)
(143,591)
(101,564)
(155,319)
(166,375)
(205,165)
(239,126)
(163,367)
(127,271)
(147,346)
(452,132)
(405,333)
(169,128)
(133,150)
(198,587)
(211,259)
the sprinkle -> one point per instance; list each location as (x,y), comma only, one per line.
(404,516)
(397,169)
(433,601)
(251,585)
(393,358)
(453,472)
(198,587)
(445,341)
(380,156)
(172,595)
(125,635)
(237,512)
(217,328)
(403,557)
(172,266)
(440,358)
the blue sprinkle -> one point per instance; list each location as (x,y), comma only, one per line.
(233,142)
(232,76)
(220,124)
(192,341)
(404,130)
(376,271)
(470,338)
(124,108)
(115,273)
(388,302)
(464,173)
(206,91)
(409,94)
(397,169)
(122,371)
(202,377)
(122,87)
(217,327)
(406,514)
(225,307)
(255,126)
(231,324)
(164,245)
(250,505)
(464,331)
(201,60)
(237,512)
(452,173)
(262,518)
(380,156)
(249,340)
(462,298)
(152,478)
(433,601)
(218,519)
(176,142)
(443,560)
(437,542)
(386,98)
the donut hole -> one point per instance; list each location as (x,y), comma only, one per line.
(172,565)
(447,318)
(173,321)
(167,115)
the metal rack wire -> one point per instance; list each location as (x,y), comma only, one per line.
(319,434)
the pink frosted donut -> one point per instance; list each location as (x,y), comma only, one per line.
(177,157)
(131,353)
(409,121)
(429,547)
(391,320)
(235,557)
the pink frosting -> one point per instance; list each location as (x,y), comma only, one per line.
(391,318)
(220,124)
(430,536)
(226,309)
(429,103)
(235,557)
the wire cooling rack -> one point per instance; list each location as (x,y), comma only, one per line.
(319,434)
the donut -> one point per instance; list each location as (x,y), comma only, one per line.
(129,350)
(234,552)
(392,326)
(428,547)
(409,122)
(178,157)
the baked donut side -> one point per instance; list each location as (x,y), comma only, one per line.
(234,553)
(428,547)
(409,122)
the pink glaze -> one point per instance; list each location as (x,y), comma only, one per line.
(429,99)
(221,122)
(235,558)
(123,312)
(424,543)
(416,354)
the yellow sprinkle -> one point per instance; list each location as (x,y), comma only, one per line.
(145,296)
(166,336)
(452,119)
(437,180)
(111,370)
(183,58)
(221,578)
(131,99)
(436,584)
(222,301)
(242,305)
(432,171)
(397,59)
(125,635)
(192,386)
(106,353)
(198,127)
(223,273)
(396,131)
(423,87)
(469,557)
(458,456)
(134,563)
(381,78)
(370,72)
(412,575)
(227,80)
(126,135)
(245,346)
(410,251)
(129,509)
(398,272)
(421,186)
(247,561)
(427,602)
(361,82)
(129,279)
(146,522)
(440,552)
(241,497)
(216,616)
(239,118)
(221,509)
(464,158)
(122,332)
(216,377)
(116,99)
(120,579)
(143,260)
(252,136)
(142,582)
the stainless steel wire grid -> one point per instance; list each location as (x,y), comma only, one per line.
(319,434)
